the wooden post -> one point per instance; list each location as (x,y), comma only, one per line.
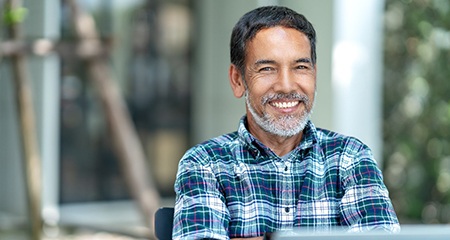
(125,138)
(32,161)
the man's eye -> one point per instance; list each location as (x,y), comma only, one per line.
(302,67)
(266,69)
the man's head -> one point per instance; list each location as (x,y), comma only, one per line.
(273,66)
(265,17)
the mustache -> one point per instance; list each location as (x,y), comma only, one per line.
(288,96)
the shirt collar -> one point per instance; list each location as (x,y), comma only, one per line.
(308,140)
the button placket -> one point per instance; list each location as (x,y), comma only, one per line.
(286,208)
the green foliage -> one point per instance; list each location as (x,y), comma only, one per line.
(417,109)
(14,15)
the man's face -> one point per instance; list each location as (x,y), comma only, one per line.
(280,81)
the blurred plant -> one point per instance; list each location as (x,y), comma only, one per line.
(417,109)
(14,15)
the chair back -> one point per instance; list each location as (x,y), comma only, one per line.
(164,223)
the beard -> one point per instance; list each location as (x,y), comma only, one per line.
(286,125)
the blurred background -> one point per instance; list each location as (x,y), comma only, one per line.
(383,69)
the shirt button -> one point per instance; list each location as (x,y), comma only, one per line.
(286,209)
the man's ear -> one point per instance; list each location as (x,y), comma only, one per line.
(236,81)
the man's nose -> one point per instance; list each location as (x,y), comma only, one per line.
(285,82)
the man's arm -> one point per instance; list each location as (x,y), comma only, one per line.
(366,204)
(200,211)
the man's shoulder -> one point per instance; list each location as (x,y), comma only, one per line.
(211,148)
(334,139)
(348,149)
(222,141)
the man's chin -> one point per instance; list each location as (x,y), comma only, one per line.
(287,128)
(284,130)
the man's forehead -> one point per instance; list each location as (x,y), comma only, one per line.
(272,33)
(271,41)
(274,28)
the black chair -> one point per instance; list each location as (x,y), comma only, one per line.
(164,223)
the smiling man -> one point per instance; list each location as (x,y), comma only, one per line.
(277,171)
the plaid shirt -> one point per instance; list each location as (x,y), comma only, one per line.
(234,186)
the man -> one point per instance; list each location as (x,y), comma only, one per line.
(277,171)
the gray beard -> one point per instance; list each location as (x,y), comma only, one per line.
(285,126)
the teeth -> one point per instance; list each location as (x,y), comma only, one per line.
(285,104)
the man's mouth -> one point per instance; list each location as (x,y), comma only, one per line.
(284,105)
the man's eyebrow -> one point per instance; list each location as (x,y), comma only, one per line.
(264,61)
(268,61)
(303,60)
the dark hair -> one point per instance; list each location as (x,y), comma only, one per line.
(266,17)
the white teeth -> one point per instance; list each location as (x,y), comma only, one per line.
(285,104)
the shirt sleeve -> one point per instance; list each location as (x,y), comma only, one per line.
(366,204)
(200,211)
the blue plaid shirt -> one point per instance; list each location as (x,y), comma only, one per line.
(234,186)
